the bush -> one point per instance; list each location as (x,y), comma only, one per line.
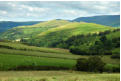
(95,64)
(33,67)
(82,64)
(76,50)
(92,64)
(112,68)
(115,56)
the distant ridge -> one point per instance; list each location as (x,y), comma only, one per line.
(108,20)
(5,25)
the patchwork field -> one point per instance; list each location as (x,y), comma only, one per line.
(16,56)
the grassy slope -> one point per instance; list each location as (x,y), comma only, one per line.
(19,57)
(18,46)
(16,56)
(64,32)
(29,31)
(56,76)
(19,60)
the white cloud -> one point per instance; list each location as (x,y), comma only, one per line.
(28,14)
(3,12)
(32,9)
(73,12)
(56,10)
(12,4)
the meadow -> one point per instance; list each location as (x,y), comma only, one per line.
(57,76)
(18,56)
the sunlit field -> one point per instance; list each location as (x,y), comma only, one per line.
(57,76)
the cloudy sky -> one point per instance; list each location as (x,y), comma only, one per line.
(41,11)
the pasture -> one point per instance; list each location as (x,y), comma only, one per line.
(57,76)
(16,55)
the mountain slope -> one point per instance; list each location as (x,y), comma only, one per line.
(30,31)
(61,33)
(5,25)
(108,20)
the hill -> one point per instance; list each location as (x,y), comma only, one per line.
(54,35)
(5,25)
(31,30)
(108,20)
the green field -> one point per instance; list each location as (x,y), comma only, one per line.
(13,55)
(57,76)
(19,46)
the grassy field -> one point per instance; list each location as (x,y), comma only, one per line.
(18,46)
(56,76)
(14,55)
(13,61)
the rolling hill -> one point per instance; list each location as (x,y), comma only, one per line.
(108,20)
(5,25)
(48,38)
(31,30)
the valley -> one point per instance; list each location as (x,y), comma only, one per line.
(71,51)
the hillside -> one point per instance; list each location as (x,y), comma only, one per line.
(108,20)
(32,30)
(5,25)
(48,38)
(102,43)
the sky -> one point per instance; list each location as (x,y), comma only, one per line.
(49,10)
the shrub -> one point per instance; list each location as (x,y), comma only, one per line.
(112,68)
(82,64)
(92,64)
(115,56)
(95,64)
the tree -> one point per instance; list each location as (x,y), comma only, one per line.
(95,64)
(82,64)
(103,39)
(92,64)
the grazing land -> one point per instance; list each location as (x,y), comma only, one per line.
(57,76)
(14,57)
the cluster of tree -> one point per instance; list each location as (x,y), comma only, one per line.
(104,46)
(95,64)
(90,44)
(101,46)
(115,56)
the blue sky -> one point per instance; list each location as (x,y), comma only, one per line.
(42,11)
